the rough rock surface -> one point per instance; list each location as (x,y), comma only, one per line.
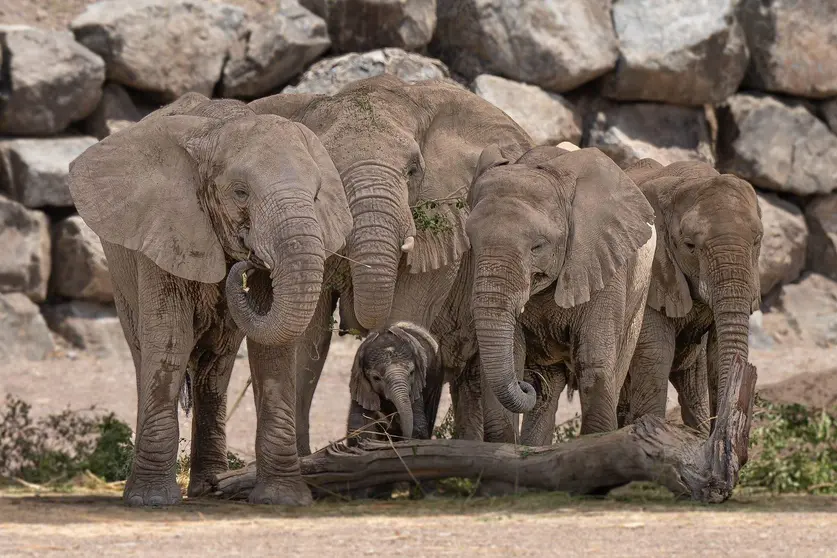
(34,171)
(821,215)
(361,25)
(51,80)
(25,253)
(330,75)
(632,131)
(80,269)
(556,44)
(829,110)
(115,111)
(810,310)
(279,47)
(547,117)
(92,327)
(23,331)
(168,47)
(792,46)
(686,52)
(776,146)
(784,244)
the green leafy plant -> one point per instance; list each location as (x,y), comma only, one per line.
(567,430)
(428,218)
(444,431)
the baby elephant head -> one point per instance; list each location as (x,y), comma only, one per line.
(390,370)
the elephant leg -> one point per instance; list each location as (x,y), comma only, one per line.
(278,477)
(499,424)
(539,424)
(646,386)
(466,398)
(692,391)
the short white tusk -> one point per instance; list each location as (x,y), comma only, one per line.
(409,242)
(568,146)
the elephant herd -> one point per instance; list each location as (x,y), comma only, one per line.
(462,251)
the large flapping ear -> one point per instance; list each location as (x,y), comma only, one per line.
(359,385)
(610,221)
(423,346)
(330,201)
(138,188)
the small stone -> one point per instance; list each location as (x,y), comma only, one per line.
(93,328)
(784,244)
(25,257)
(821,216)
(23,331)
(115,111)
(80,269)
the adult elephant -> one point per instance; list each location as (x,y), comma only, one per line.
(705,284)
(188,203)
(407,155)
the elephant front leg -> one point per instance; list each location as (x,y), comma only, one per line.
(646,386)
(691,384)
(466,399)
(278,477)
(539,424)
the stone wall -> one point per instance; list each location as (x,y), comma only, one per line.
(748,86)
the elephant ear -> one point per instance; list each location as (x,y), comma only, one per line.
(424,347)
(330,203)
(359,385)
(610,220)
(138,188)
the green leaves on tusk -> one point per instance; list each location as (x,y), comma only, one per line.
(244,286)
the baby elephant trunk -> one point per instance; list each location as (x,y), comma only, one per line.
(397,390)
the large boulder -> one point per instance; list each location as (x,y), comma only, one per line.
(23,331)
(547,117)
(556,44)
(361,25)
(821,215)
(167,47)
(50,80)
(683,52)
(792,46)
(25,254)
(330,75)
(79,267)
(784,244)
(115,111)
(809,309)
(34,171)
(633,131)
(776,146)
(93,328)
(279,46)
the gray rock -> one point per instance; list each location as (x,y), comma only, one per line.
(776,146)
(92,327)
(784,243)
(278,48)
(555,44)
(167,47)
(810,310)
(547,117)
(686,52)
(25,257)
(792,46)
(115,111)
(361,25)
(34,171)
(632,131)
(330,75)
(51,80)
(23,331)
(79,267)
(821,216)
(829,110)
(758,336)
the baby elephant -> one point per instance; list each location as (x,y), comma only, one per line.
(396,370)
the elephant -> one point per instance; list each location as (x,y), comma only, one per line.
(401,149)
(395,370)
(213,230)
(562,243)
(704,285)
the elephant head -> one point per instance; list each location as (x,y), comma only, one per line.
(391,365)
(710,229)
(200,184)
(565,220)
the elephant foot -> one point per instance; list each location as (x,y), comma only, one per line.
(287,493)
(199,484)
(152,493)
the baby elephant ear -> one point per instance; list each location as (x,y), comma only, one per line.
(359,385)
(138,188)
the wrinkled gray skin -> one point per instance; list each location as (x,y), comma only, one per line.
(185,202)
(704,285)
(569,238)
(395,145)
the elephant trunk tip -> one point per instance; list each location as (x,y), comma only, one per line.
(521,397)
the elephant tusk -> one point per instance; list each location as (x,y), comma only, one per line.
(568,146)
(409,242)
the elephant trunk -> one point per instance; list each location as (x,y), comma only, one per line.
(397,390)
(277,311)
(383,228)
(500,291)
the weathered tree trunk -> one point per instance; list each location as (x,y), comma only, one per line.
(674,456)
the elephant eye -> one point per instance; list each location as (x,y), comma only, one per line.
(690,246)
(375,378)
(240,193)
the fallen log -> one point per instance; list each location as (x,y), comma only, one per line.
(671,455)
